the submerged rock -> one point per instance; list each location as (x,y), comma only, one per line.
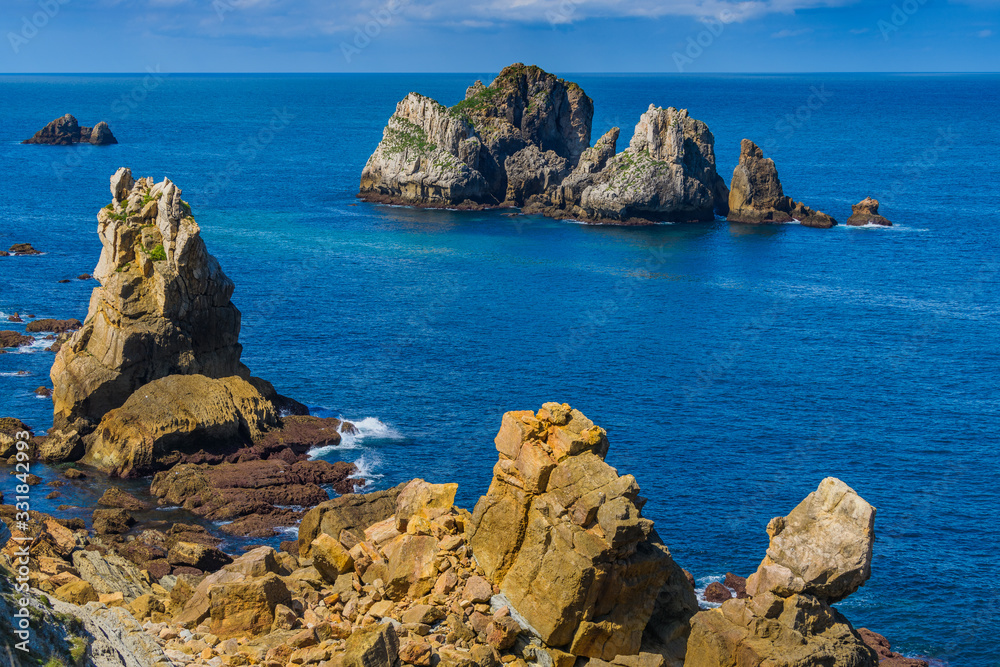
(53,326)
(865,212)
(819,554)
(756,195)
(66,131)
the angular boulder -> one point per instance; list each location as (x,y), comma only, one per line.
(822,548)
(562,535)
(247,606)
(756,195)
(819,554)
(351,514)
(864,213)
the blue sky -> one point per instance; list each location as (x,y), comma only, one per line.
(695,36)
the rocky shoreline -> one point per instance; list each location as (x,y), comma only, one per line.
(523,142)
(555,566)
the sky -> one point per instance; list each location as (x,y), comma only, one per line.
(683,36)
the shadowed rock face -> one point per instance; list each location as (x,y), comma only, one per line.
(66,131)
(162,308)
(756,195)
(524,140)
(819,554)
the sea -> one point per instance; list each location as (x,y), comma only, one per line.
(733,366)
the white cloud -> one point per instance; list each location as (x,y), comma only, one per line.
(781,34)
(985,33)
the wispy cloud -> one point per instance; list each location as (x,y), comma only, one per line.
(985,33)
(781,34)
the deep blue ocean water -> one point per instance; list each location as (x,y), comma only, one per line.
(733,366)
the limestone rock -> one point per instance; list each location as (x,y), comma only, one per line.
(756,195)
(162,307)
(562,535)
(863,213)
(667,173)
(819,554)
(101,135)
(175,413)
(14,339)
(76,592)
(111,573)
(330,557)
(66,131)
(246,607)
(531,172)
(777,632)
(351,513)
(822,548)
(433,155)
(426,156)
(421,499)
(200,556)
(377,646)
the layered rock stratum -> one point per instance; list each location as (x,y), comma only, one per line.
(66,131)
(756,195)
(524,141)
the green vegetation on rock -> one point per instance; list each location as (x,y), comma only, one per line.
(403,135)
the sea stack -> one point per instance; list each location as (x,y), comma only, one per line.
(161,336)
(66,131)
(818,555)
(756,195)
(865,212)
(524,141)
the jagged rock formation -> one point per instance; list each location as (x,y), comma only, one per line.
(563,538)
(66,131)
(524,140)
(756,195)
(162,308)
(865,212)
(819,554)
(155,369)
(666,174)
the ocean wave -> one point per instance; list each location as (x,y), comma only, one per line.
(702,583)
(292,531)
(15,374)
(40,345)
(369,428)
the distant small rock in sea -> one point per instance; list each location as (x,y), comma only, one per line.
(66,131)
(22,249)
(866,213)
(756,195)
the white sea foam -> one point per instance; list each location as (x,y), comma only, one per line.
(292,531)
(699,590)
(367,429)
(15,374)
(40,345)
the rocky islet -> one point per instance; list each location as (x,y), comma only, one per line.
(523,141)
(66,131)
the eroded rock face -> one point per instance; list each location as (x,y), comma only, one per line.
(172,414)
(822,548)
(756,195)
(819,554)
(562,535)
(865,212)
(162,308)
(66,131)
(439,156)
(351,514)
(427,156)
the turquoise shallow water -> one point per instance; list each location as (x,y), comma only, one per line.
(733,366)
